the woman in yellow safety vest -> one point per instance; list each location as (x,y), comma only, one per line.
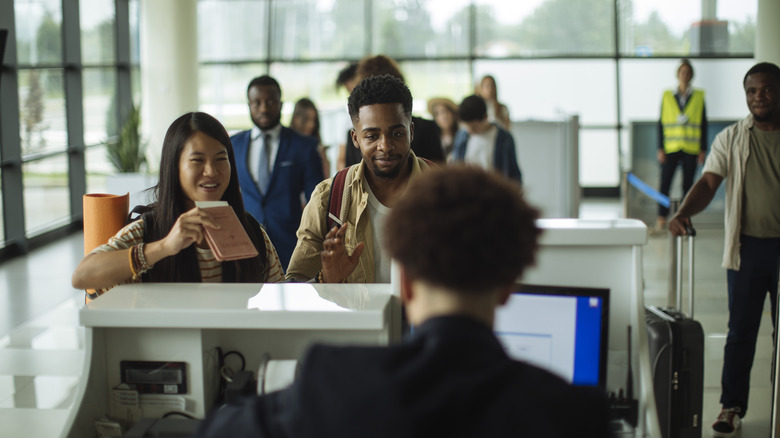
(682,134)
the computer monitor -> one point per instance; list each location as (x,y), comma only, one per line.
(559,328)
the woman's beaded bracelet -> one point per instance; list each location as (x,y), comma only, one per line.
(138,263)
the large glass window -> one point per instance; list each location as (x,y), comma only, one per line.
(544,27)
(47,149)
(232,30)
(653,28)
(426,28)
(318,29)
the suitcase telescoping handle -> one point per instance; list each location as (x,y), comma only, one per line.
(691,233)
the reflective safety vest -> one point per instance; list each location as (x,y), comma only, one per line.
(682,129)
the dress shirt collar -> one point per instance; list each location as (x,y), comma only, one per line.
(274,132)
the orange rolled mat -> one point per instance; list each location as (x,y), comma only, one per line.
(104,215)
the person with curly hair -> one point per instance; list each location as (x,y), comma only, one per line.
(426,142)
(462,236)
(381,111)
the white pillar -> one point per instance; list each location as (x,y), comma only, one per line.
(768,32)
(169,67)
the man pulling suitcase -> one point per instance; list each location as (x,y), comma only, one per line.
(747,156)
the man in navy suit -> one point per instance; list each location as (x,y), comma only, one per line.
(275,166)
(461,236)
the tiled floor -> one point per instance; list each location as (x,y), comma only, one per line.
(41,344)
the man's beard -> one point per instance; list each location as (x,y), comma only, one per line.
(768,116)
(273,123)
(392,173)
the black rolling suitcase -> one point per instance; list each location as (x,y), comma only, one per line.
(676,344)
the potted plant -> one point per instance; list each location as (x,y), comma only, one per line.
(127,154)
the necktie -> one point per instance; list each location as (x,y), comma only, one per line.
(263,167)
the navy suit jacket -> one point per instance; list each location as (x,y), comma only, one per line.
(297,169)
(451,379)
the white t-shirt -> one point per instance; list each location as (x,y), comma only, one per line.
(377,213)
(480,148)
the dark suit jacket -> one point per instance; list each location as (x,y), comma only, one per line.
(297,169)
(425,144)
(451,379)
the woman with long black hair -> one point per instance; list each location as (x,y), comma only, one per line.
(167,243)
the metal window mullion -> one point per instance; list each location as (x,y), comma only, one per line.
(10,141)
(74,105)
(270,36)
(472,40)
(124,86)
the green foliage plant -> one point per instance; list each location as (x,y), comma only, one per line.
(128,152)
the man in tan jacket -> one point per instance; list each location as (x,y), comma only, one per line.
(381,112)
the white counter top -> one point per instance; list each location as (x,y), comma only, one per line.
(227,305)
(585,232)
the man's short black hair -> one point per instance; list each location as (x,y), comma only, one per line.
(763,67)
(346,74)
(472,109)
(262,81)
(463,228)
(379,89)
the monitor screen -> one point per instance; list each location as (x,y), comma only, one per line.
(561,329)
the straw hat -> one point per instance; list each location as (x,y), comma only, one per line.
(442,101)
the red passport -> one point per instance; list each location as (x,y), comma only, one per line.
(231,241)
